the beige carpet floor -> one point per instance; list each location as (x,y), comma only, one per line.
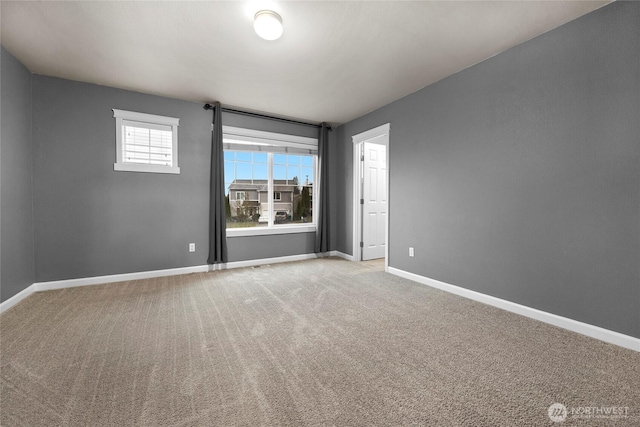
(321,342)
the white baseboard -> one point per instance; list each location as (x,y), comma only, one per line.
(97,280)
(342,255)
(4,306)
(87,281)
(71,283)
(265,261)
(592,331)
(276,260)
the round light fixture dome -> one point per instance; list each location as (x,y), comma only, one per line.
(268,25)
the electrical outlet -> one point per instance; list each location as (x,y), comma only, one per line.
(192,247)
(410,252)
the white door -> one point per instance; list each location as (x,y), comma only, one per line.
(374,200)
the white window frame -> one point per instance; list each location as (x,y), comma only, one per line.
(148,121)
(279,193)
(270,142)
(241,193)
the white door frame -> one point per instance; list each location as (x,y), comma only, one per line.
(358,141)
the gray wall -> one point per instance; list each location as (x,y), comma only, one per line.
(270,246)
(519,177)
(16,217)
(92,221)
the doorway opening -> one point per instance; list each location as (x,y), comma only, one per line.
(371,195)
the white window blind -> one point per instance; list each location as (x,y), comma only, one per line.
(146,143)
(239,139)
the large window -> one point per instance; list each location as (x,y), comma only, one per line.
(146,142)
(269,181)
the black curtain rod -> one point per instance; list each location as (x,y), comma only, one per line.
(262,116)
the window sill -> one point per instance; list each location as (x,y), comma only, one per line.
(129,167)
(265,231)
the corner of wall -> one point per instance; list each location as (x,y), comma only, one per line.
(18,265)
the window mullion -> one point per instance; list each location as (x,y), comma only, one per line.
(270,187)
(315,206)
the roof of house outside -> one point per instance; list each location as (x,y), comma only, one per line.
(262,185)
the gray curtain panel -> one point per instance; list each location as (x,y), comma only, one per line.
(322,231)
(217,220)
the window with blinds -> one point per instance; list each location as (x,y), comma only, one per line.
(146,142)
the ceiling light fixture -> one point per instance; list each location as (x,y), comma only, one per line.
(268,25)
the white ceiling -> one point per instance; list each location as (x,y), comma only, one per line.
(336,60)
